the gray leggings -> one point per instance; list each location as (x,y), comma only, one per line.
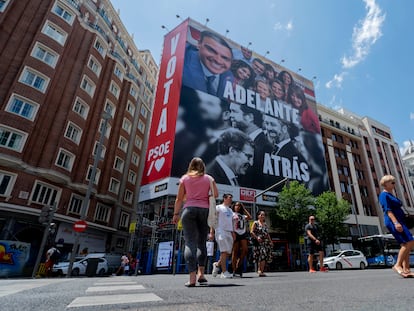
(194,220)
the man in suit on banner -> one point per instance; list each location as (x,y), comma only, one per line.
(207,68)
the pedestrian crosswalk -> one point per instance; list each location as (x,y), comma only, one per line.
(114,291)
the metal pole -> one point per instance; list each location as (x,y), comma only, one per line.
(353,207)
(106,116)
(43,243)
(264,191)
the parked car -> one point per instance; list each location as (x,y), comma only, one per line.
(80,265)
(346,259)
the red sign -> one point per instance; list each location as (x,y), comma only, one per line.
(247,194)
(164,118)
(80,226)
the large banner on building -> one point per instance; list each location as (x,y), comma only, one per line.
(252,121)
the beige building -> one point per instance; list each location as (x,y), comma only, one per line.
(72,81)
(359,151)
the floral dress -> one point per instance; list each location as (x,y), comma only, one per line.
(262,251)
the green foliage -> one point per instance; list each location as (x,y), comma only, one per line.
(296,203)
(330,214)
(292,209)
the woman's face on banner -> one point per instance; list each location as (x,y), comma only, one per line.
(243,73)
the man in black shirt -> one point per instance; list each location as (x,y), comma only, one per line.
(314,245)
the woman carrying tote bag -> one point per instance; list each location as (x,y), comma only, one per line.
(193,198)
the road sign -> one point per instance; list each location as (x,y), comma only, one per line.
(80,226)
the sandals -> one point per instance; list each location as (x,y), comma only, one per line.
(401,273)
(202,281)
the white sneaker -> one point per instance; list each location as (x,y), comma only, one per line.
(226,275)
(215,269)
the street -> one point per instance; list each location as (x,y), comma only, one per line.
(379,289)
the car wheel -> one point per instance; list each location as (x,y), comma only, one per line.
(75,272)
(101,272)
(362,265)
(338,266)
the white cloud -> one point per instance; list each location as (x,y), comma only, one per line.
(336,80)
(412,116)
(279,26)
(365,34)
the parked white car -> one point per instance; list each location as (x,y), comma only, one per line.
(80,265)
(346,259)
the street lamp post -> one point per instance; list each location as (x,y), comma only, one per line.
(353,206)
(264,191)
(106,116)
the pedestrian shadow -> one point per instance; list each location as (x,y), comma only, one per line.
(223,285)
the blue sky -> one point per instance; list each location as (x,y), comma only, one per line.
(361,51)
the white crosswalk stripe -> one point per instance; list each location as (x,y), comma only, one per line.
(111,292)
(10,287)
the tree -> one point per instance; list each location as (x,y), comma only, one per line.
(331,214)
(292,210)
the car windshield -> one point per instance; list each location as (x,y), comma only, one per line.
(335,253)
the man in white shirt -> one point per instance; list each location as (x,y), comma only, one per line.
(224,235)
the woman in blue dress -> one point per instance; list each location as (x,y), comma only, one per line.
(394,220)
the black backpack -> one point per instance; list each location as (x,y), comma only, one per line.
(55,255)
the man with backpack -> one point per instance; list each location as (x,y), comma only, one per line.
(52,256)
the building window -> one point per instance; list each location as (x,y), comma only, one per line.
(108,128)
(75,205)
(144,111)
(103,150)
(44,193)
(99,47)
(65,159)
(138,142)
(97,174)
(127,125)
(141,126)
(3,5)
(88,86)
(133,92)
(119,164)
(45,54)
(114,89)
(34,79)
(343,188)
(81,108)
(102,213)
(22,107)
(114,185)
(12,138)
(7,181)
(132,177)
(124,220)
(128,196)
(59,10)
(135,159)
(94,65)
(123,144)
(130,108)
(55,33)
(118,72)
(110,108)
(73,132)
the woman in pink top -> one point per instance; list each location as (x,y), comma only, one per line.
(194,189)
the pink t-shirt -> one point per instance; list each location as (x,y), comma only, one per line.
(196,190)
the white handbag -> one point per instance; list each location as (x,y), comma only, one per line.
(212,213)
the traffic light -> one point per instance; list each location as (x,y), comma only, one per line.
(46,214)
